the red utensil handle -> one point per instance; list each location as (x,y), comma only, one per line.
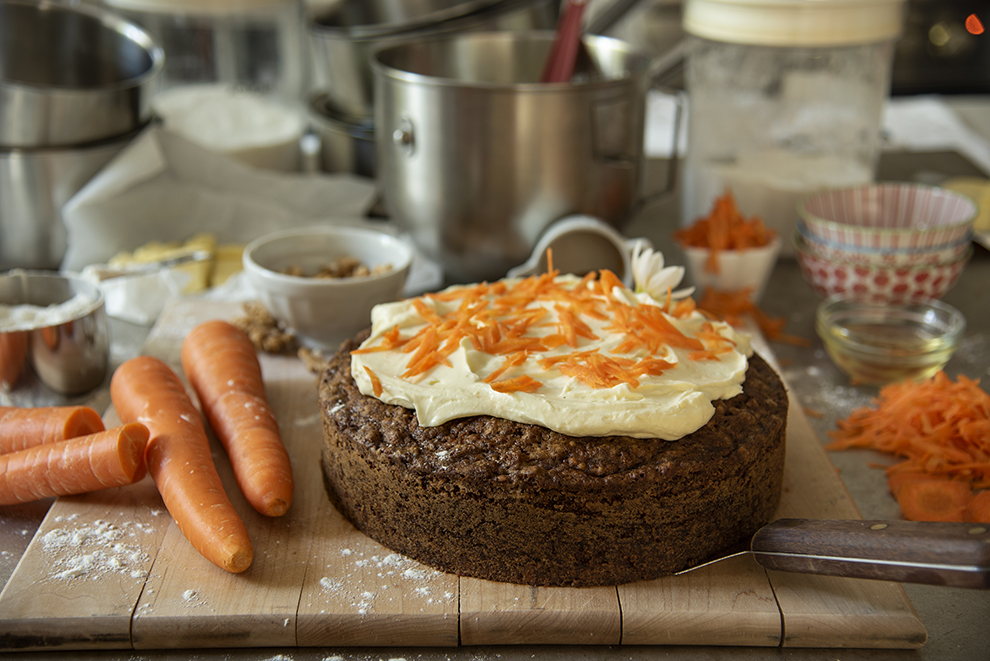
(559,65)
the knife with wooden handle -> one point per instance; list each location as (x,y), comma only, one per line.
(949,554)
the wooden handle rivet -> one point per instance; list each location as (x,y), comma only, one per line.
(978,530)
(878,526)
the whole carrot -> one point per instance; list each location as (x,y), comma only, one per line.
(22,428)
(13,354)
(146,390)
(109,458)
(219,360)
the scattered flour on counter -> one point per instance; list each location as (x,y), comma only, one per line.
(308,421)
(94,550)
(399,573)
(331,584)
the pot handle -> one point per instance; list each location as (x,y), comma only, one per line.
(404,136)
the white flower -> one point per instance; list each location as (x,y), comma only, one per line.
(651,277)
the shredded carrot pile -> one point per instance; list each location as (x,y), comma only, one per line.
(724,228)
(733,306)
(942,429)
(497,319)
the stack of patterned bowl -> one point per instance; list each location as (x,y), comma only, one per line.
(884,242)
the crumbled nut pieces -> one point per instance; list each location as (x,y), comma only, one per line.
(265,331)
(270,336)
(342,267)
(314,360)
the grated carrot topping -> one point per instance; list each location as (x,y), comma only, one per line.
(499,319)
(376,383)
(940,428)
(524,383)
(517,358)
(724,228)
(390,340)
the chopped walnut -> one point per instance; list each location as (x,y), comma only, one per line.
(342,267)
(266,332)
(313,359)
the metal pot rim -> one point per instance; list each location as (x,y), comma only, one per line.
(110,21)
(426,22)
(51,150)
(390,72)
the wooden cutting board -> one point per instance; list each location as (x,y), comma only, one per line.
(111,570)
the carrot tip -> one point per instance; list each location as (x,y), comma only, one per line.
(239,562)
(275,506)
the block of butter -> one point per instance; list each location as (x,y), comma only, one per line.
(224,260)
(156,251)
(227,262)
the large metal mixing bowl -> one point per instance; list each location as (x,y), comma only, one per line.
(71,74)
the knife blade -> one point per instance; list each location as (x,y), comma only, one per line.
(947,554)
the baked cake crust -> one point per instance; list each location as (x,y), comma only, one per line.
(505,501)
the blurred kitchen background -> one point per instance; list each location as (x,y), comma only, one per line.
(285,87)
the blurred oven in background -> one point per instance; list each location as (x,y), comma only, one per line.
(945,48)
(938,53)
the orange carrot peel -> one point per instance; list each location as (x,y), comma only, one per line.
(939,427)
(733,307)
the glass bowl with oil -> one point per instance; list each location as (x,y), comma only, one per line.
(879,343)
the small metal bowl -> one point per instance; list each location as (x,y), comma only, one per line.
(57,324)
(881,343)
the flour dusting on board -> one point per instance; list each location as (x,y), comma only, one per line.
(93,550)
(398,575)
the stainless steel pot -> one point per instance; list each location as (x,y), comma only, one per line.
(392,15)
(341,52)
(476,158)
(34,185)
(347,144)
(71,74)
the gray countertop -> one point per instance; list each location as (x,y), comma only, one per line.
(956,619)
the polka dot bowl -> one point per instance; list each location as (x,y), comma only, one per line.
(878,282)
(889,216)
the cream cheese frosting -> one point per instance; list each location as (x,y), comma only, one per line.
(584,357)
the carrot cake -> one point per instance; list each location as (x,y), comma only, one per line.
(552,430)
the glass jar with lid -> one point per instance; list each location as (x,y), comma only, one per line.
(785,98)
(235,74)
